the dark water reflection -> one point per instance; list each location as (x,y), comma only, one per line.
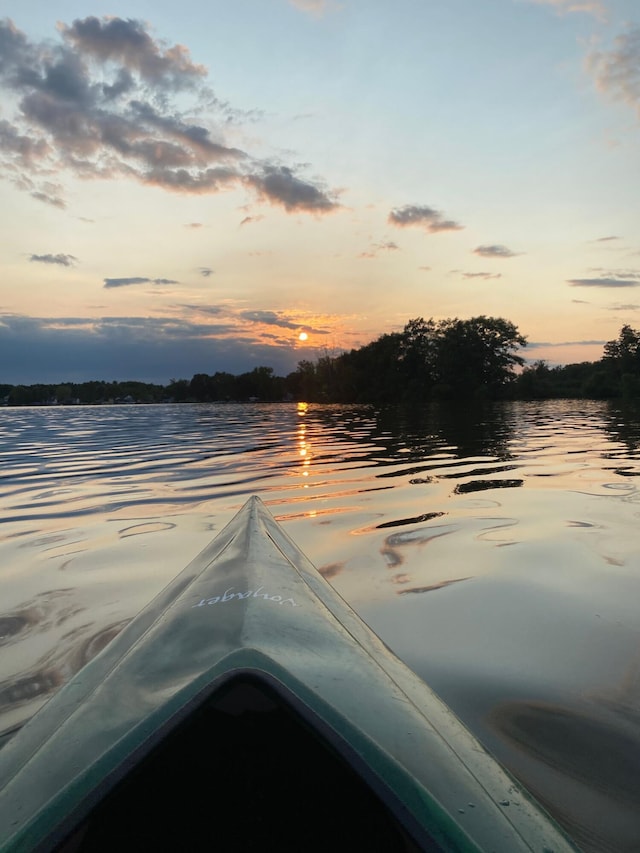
(494,548)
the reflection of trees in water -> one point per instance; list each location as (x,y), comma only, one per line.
(464,429)
(411,434)
(622,424)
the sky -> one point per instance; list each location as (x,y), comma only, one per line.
(219,186)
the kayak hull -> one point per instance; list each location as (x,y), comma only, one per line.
(252,610)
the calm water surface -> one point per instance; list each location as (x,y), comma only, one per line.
(495,550)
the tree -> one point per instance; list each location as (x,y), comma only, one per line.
(623,354)
(418,354)
(477,356)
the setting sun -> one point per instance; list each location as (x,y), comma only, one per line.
(303,336)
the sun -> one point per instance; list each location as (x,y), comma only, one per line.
(303,336)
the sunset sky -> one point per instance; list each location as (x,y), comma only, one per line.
(188,187)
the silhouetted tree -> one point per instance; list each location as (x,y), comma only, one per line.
(477,356)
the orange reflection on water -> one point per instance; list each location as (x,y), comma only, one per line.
(304,446)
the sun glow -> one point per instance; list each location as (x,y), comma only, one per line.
(303,336)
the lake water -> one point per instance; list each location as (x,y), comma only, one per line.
(496,550)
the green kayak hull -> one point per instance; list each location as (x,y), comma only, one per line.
(250,625)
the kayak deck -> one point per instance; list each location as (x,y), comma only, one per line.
(251,618)
(243,773)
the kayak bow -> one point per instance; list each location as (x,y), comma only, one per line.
(248,698)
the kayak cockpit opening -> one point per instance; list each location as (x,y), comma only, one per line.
(243,771)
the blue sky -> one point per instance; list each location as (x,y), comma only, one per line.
(187,189)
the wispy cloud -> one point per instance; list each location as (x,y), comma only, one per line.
(590,7)
(102,102)
(249,219)
(617,71)
(313,7)
(60,259)
(483,275)
(625,306)
(605,239)
(132,280)
(538,344)
(494,251)
(422,216)
(205,272)
(376,248)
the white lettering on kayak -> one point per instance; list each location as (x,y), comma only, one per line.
(228,595)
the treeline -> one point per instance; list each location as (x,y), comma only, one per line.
(466,359)
(452,359)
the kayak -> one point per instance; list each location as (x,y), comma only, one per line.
(247,707)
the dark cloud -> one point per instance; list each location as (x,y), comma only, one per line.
(269,318)
(422,216)
(494,251)
(205,271)
(72,349)
(603,282)
(126,282)
(279,185)
(101,102)
(127,43)
(61,259)
(605,239)
(272,318)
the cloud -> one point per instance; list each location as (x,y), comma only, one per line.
(539,344)
(484,275)
(128,45)
(61,259)
(605,239)
(629,306)
(617,71)
(194,225)
(213,310)
(270,318)
(279,185)
(494,251)
(603,282)
(422,216)
(150,349)
(108,100)
(275,318)
(249,219)
(126,282)
(376,248)
(589,7)
(205,272)
(314,7)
